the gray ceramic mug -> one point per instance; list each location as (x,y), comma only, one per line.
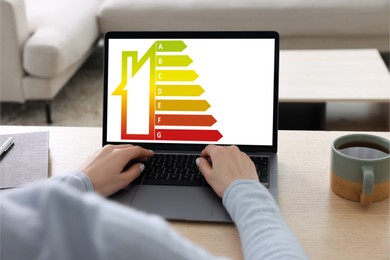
(360,168)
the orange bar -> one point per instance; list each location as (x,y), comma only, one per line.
(185,120)
(181,105)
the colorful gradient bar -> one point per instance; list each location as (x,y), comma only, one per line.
(187,135)
(171,89)
(185,120)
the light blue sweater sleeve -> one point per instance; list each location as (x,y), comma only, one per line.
(65,222)
(55,221)
(77,180)
(263,231)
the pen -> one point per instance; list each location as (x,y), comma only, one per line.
(6,145)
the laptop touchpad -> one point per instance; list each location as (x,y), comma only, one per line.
(173,202)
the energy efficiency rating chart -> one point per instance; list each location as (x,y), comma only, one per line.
(176,109)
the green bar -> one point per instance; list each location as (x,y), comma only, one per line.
(173,60)
(170,46)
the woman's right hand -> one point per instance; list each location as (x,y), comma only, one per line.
(221,165)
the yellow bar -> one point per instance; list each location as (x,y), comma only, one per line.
(176,75)
(179,90)
(173,60)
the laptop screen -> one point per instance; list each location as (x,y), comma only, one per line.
(191,88)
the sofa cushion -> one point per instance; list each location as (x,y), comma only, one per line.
(288,17)
(62,32)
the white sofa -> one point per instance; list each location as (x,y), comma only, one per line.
(302,24)
(44,42)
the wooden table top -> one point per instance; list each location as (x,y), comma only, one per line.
(327,226)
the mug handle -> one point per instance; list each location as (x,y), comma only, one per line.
(368,185)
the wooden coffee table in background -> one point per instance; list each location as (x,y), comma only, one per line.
(316,82)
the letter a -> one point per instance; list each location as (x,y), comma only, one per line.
(160,47)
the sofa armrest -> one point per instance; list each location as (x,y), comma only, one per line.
(14,32)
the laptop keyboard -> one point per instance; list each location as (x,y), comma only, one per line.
(181,170)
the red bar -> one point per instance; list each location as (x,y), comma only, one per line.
(187,135)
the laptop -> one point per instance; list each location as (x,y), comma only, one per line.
(175,93)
